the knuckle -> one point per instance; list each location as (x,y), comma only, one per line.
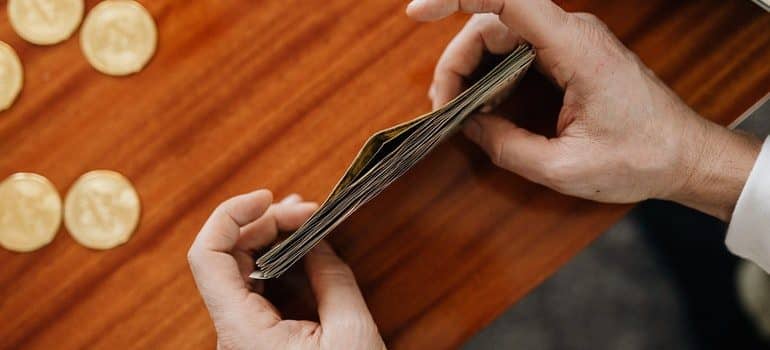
(219,211)
(193,260)
(192,256)
(558,173)
(355,322)
(591,18)
(594,33)
(589,22)
(340,273)
(225,205)
(601,49)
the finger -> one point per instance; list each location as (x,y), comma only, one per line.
(214,269)
(536,20)
(540,22)
(432,10)
(511,147)
(340,302)
(287,215)
(222,229)
(464,53)
(292,198)
(245,261)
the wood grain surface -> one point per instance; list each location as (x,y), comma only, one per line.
(281,94)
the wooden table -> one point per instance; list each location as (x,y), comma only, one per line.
(281,94)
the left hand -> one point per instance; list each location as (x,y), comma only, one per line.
(221,260)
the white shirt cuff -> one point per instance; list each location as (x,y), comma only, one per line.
(749,233)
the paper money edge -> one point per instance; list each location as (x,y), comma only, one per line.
(366,152)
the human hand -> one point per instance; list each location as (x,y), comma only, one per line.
(622,135)
(221,260)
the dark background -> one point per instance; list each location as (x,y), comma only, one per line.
(661,278)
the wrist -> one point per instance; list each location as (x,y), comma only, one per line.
(714,166)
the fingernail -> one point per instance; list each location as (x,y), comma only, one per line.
(291,199)
(412,5)
(266,194)
(472,130)
(306,206)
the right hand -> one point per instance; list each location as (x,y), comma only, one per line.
(622,135)
(221,259)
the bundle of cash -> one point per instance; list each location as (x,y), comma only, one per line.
(387,155)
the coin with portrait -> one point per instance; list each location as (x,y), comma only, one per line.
(30,212)
(102,209)
(11,76)
(118,37)
(45,22)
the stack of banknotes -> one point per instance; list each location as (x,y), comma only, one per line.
(387,155)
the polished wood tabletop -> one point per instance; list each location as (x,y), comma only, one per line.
(281,94)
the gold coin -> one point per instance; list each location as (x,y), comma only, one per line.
(30,212)
(45,22)
(101,210)
(118,37)
(11,76)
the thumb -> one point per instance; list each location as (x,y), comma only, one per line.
(511,147)
(542,23)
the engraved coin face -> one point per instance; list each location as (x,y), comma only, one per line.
(118,37)
(45,22)
(11,76)
(30,212)
(101,210)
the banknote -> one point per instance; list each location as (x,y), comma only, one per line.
(387,155)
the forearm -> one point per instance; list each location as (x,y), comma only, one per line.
(715,165)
